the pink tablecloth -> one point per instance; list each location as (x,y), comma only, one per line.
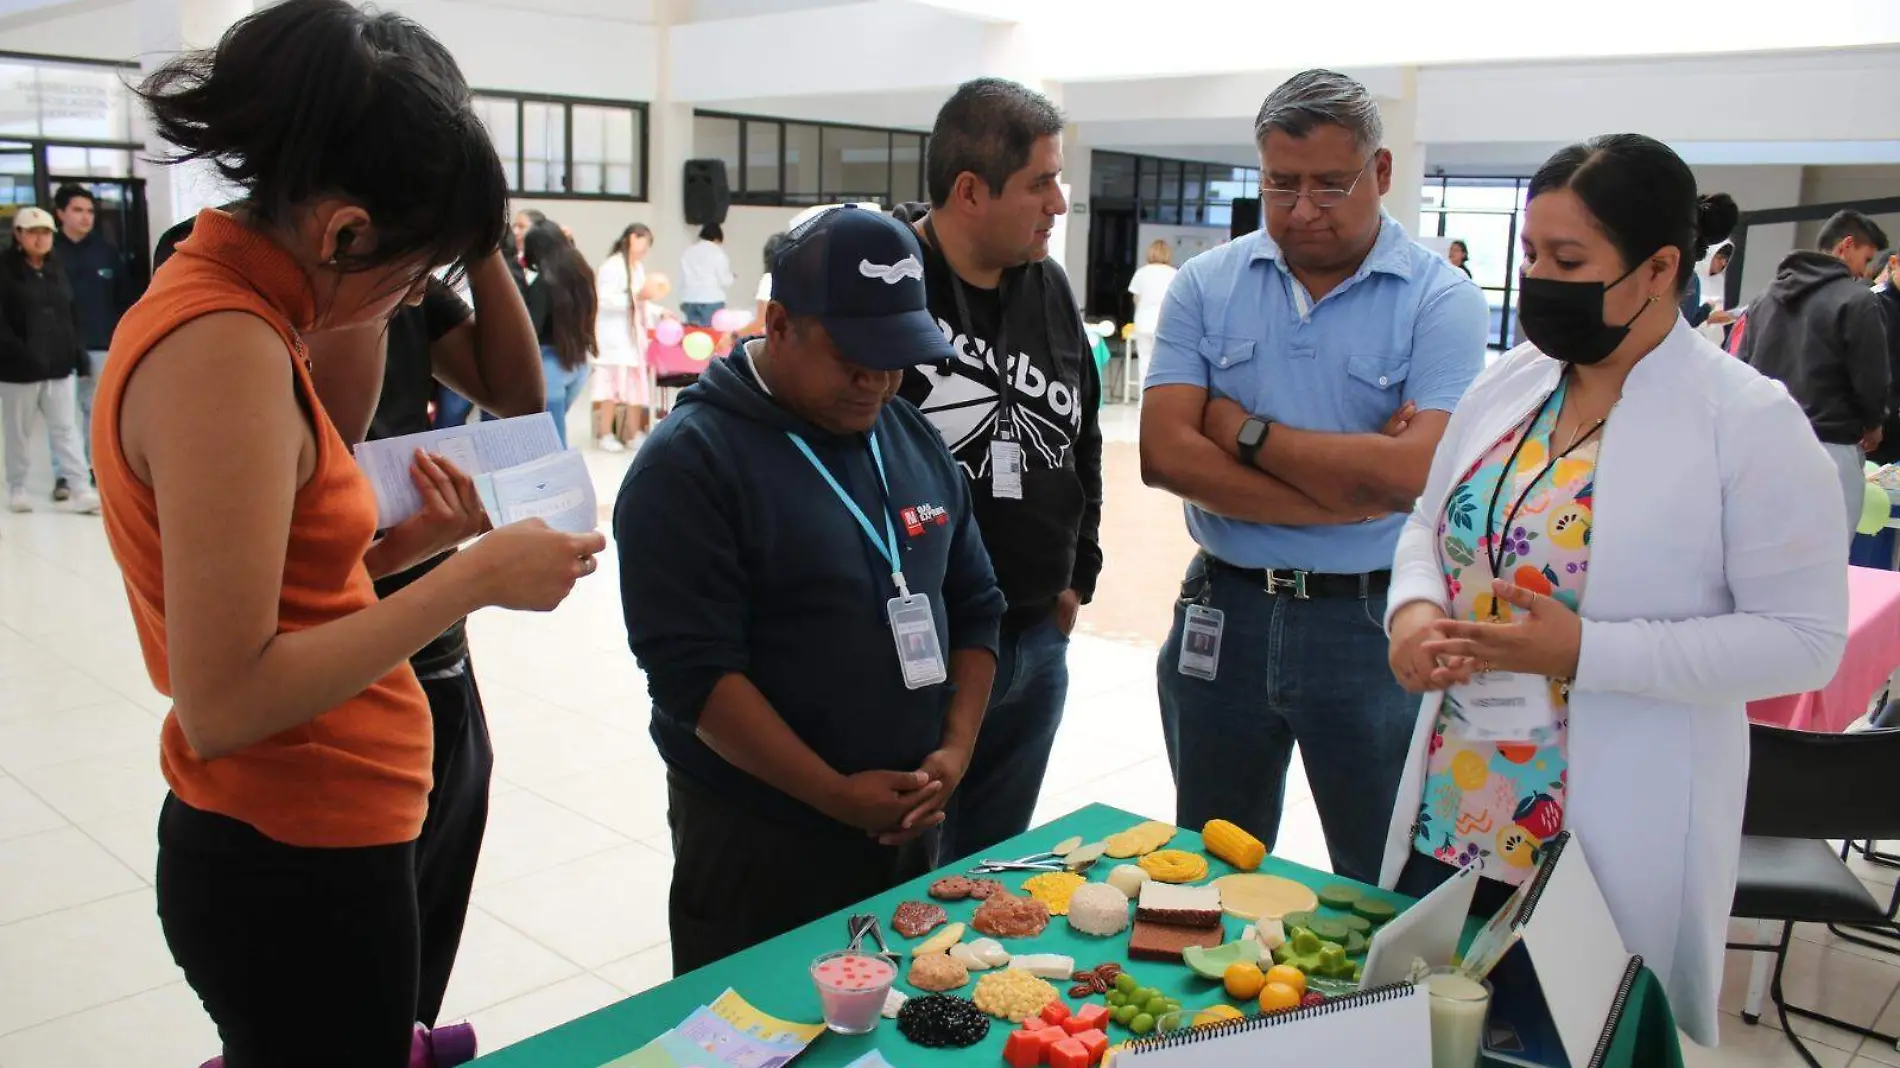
(1873,652)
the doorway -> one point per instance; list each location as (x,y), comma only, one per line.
(1113,236)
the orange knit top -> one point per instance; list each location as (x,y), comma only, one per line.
(358,774)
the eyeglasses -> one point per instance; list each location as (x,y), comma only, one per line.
(1322,199)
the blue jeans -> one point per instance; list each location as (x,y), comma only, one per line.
(998,793)
(1313,672)
(564,388)
(700,314)
(451,408)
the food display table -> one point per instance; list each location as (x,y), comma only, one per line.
(1873,652)
(773,976)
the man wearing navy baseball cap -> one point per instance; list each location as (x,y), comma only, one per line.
(806,589)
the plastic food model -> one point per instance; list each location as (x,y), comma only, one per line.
(1012,995)
(913,919)
(1307,952)
(1128,879)
(1009,916)
(1175,866)
(1139,839)
(942,1021)
(1053,889)
(1098,909)
(939,942)
(937,973)
(1044,965)
(1233,845)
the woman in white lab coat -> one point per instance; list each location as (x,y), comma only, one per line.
(1644,534)
(620,387)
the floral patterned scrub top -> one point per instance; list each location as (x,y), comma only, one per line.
(1492,803)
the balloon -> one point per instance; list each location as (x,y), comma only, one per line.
(698,346)
(726,320)
(1128,331)
(1874,509)
(669,332)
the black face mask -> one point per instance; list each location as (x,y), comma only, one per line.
(1565,319)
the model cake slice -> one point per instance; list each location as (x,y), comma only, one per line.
(1182,906)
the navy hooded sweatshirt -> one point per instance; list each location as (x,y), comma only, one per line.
(737,558)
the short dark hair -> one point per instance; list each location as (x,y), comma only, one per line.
(311,98)
(711,232)
(1851,224)
(1315,98)
(1643,197)
(70,192)
(987,127)
(772,245)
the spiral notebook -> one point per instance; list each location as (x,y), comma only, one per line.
(1561,974)
(1389,1026)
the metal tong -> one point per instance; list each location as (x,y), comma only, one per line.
(1033,862)
(862,924)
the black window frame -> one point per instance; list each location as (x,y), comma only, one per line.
(643,140)
(1179,209)
(778,197)
(1501,340)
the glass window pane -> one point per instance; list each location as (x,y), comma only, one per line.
(1150,183)
(1225,183)
(604,149)
(65,160)
(1112,176)
(761,157)
(1170,181)
(499,115)
(1220,215)
(1488,239)
(1482,194)
(907,168)
(801,163)
(1431,223)
(1193,182)
(1431,195)
(1168,213)
(717,138)
(544,148)
(857,164)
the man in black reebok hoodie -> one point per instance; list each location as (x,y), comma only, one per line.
(805,587)
(1818,330)
(995,159)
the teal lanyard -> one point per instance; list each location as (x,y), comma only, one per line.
(887,547)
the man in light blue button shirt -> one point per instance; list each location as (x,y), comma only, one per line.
(1301,379)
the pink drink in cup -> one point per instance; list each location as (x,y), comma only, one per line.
(851,987)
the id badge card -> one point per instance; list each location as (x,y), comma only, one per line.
(1201,628)
(1504,706)
(1006,469)
(914,629)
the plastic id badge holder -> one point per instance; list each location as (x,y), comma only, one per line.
(1006,469)
(914,629)
(1201,628)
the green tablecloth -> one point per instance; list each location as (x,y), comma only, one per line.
(773,977)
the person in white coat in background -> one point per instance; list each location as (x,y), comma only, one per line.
(621,390)
(1636,533)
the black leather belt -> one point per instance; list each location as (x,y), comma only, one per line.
(1304,585)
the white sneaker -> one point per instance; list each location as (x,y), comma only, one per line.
(85,502)
(609,443)
(18,501)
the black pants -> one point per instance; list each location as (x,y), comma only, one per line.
(451,840)
(1422,874)
(304,958)
(741,876)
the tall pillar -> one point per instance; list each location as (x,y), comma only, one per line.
(167,27)
(670,145)
(1077,158)
(1408,154)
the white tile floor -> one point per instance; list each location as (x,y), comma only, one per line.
(569,910)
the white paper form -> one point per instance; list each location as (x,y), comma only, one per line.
(555,489)
(474,449)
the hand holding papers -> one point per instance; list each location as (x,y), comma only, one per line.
(518,467)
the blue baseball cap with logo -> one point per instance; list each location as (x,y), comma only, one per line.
(861,274)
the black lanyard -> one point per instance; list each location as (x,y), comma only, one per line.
(999,348)
(1494,546)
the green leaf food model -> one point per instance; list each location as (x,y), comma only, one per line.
(1316,957)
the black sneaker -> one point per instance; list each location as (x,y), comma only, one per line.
(62,492)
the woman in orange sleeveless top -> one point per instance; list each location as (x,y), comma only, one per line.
(298,744)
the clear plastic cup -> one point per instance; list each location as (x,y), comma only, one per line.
(1459,1005)
(851,988)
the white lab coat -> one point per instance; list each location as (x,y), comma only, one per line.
(620,318)
(1718,575)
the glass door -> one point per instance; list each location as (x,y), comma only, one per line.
(119,216)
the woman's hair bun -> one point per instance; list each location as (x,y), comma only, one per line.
(1715,219)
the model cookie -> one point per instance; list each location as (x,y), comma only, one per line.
(984,889)
(1139,839)
(953,888)
(1009,916)
(937,972)
(914,919)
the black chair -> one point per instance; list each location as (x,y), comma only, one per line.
(1804,789)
